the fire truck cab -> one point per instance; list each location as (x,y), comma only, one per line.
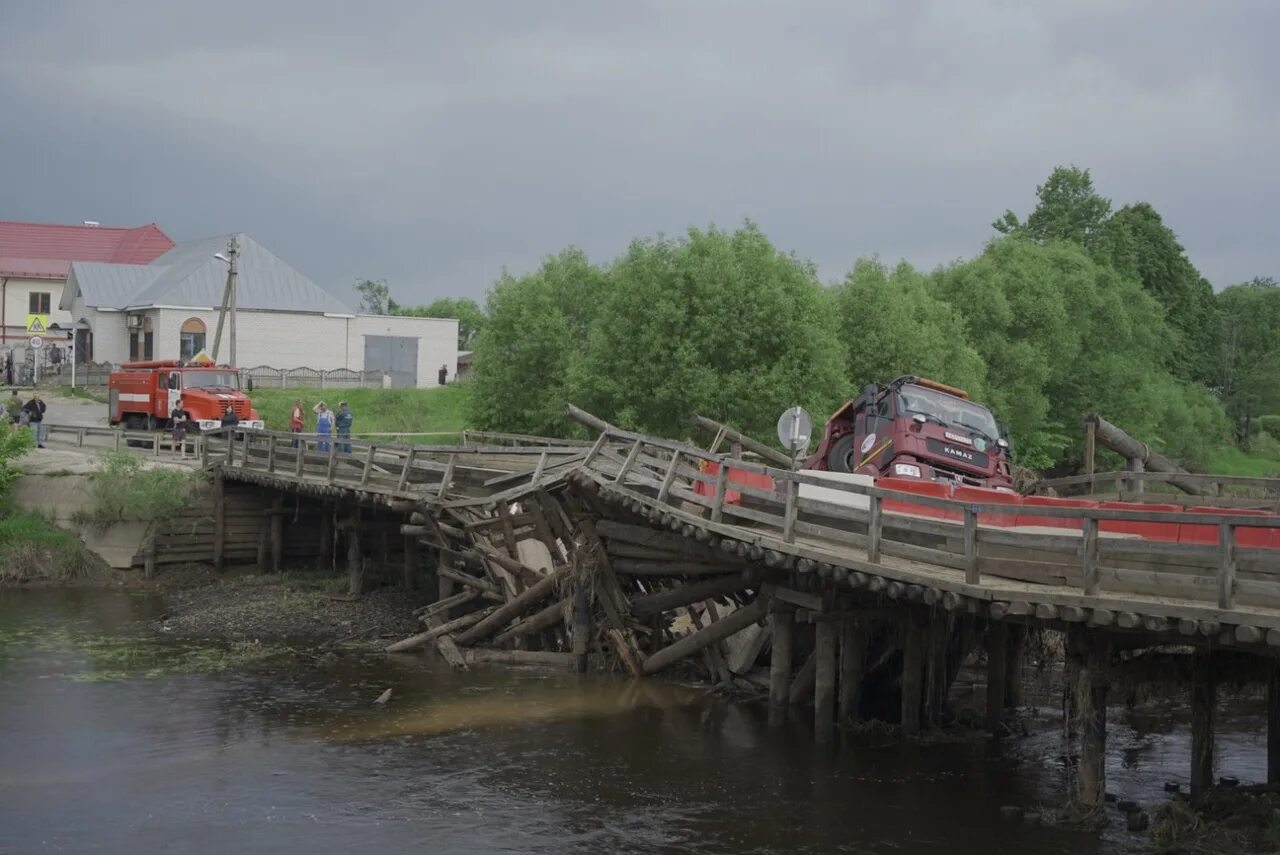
(142,395)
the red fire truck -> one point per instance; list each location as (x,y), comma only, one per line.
(142,395)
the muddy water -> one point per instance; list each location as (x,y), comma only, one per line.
(111,741)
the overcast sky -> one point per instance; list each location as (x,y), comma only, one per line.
(432,144)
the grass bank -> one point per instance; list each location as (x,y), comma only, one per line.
(33,549)
(399,412)
(1230,460)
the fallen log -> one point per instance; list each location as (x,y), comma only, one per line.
(440,606)
(771,454)
(695,552)
(484,586)
(631,567)
(717,631)
(542,658)
(648,605)
(446,646)
(518,606)
(545,619)
(1131,449)
(482,553)
(413,642)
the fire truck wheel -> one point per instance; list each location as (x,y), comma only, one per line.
(840,457)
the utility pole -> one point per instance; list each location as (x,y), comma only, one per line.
(228,299)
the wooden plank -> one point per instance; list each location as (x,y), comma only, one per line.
(781,624)
(875,529)
(447,478)
(722,486)
(519,605)
(696,641)
(536,622)
(669,478)
(1226,566)
(629,462)
(421,639)
(1089,560)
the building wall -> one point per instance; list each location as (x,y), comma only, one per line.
(437,341)
(17,294)
(282,339)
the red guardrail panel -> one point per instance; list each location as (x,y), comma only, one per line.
(936,489)
(1153,530)
(1026,517)
(1249,538)
(987,496)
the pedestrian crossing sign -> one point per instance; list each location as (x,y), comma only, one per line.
(37,324)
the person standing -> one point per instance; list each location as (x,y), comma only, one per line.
(35,417)
(324,426)
(179,419)
(343,421)
(296,420)
(444,374)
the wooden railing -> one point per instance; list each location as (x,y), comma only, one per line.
(1135,482)
(1096,563)
(393,469)
(118,438)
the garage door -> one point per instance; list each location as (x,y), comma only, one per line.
(394,355)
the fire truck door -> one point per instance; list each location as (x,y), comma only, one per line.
(175,392)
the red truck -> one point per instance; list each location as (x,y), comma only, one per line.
(916,428)
(142,395)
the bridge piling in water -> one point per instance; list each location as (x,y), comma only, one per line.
(1204,707)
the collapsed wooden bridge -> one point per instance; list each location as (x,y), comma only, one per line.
(609,554)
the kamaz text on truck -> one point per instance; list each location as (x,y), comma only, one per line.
(919,429)
(142,395)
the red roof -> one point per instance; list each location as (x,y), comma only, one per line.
(46,250)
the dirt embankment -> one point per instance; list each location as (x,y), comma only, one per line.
(300,607)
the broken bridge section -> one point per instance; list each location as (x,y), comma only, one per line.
(646,556)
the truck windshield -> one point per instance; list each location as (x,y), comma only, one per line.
(949,410)
(209,379)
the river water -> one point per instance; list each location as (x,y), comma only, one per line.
(112,741)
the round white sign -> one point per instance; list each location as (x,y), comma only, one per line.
(36,342)
(795,428)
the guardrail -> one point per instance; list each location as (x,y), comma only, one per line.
(1098,563)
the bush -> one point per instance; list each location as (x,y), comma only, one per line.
(13,444)
(32,547)
(123,491)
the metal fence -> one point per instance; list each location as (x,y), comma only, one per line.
(262,377)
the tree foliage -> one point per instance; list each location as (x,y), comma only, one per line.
(718,323)
(1137,244)
(1069,209)
(467,312)
(535,333)
(13,445)
(1249,364)
(375,296)
(892,323)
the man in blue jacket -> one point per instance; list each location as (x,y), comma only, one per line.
(343,423)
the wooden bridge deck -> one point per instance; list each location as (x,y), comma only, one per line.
(1220,592)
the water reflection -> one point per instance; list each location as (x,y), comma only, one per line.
(291,754)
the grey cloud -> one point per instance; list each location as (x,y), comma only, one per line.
(433,144)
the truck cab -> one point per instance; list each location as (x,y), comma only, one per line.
(142,395)
(918,429)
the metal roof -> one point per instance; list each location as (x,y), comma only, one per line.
(189,275)
(46,250)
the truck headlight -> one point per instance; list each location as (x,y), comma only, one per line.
(906,470)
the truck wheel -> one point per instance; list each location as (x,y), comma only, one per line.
(840,457)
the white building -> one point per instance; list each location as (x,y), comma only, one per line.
(168,309)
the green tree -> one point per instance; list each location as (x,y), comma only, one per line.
(534,334)
(1249,364)
(467,312)
(1136,242)
(719,323)
(1069,209)
(1061,336)
(892,324)
(375,296)
(13,445)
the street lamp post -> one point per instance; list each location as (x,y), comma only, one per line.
(228,298)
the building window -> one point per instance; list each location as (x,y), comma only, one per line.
(38,303)
(192,336)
